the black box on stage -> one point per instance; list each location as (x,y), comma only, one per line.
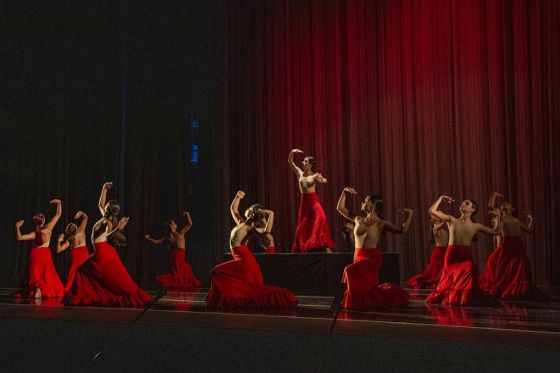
(316,273)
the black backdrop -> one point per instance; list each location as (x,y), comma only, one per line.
(77,79)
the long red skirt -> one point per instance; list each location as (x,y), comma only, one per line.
(181,276)
(507,274)
(239,284)
(458,284)
(78,255)
(42,275)
(312,230)
(429,279)
(363,291)
(103,280)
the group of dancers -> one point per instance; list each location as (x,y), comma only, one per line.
(102,279)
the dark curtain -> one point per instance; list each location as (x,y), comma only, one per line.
(409,99)
(103,91)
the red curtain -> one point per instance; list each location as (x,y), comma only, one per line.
(409,99)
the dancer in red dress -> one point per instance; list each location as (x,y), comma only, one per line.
(312,230)
(507,274)
(363,291)
(429,278)
(76,241)
(239,282)
(43,281)
(103,279)
(458,284)
(181,276)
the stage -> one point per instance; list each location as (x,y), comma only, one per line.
(177,333)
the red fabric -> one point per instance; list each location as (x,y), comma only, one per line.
(312,230)
(507,273)
(362,279)
(239,284)
(42,275)
(103,280)
(77,256)
(429,279)
(458,284)
(181,276)
(270,250)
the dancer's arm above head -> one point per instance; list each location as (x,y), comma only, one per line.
(188,223)
(103,197)
(60,247)
(155,241)
(400,229)
(492,201)
(269,220)
(439,214)
(293,166)
(50,225)
(234,208)
(23,237)
(341,205)
(83,224)
(320,178)
(529,227)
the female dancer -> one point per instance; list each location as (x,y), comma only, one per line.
(507,274)
(43,281)
(458,284)
(362,276)
(181,276)
(263,242)
(312,230)
(239,282)
(103,279)
(430,277)
(76,241)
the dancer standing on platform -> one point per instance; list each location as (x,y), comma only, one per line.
(363,291)
(429,278)
(76,241)
(312,230)
(43,281)
(103,279)
(239,282)
(458,284)
(507,274)
(181,276)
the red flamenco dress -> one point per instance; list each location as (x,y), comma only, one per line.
(103,280)
(42,275)
(507,274)
(429,279)
(239,284)
(312,230)
(458,284)
(362,280)
(78,255)
(181,276)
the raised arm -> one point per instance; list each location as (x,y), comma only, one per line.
(293,166)
(400,229)
(234,208)
(57,215)
(433,210)
(492,201)
(341,205)
(269,220)
(320,178)
(83,224)
(155,241)
(23,237)
(188,223)
(122,224)
(60,247)
(529,227)
(103,197)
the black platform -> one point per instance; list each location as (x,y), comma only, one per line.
(316,273)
